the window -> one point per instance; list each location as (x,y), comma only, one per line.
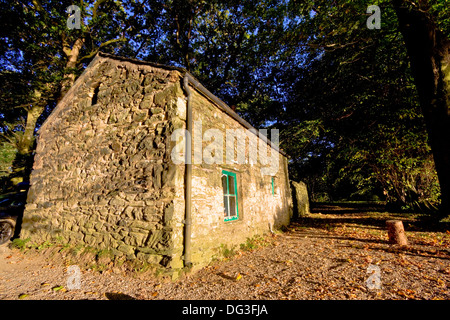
(273,186)
(230,199)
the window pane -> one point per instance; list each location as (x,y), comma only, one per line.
(224,184)
(232,206)
(231,185)
(225,205)
(273,185)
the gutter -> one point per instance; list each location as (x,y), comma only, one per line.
(188,178)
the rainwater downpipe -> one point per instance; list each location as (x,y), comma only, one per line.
(188,177)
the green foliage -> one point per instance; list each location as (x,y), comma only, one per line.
(342,95)
(77,249)
(40,58)
(439,10)
(355,105)
(227,252)
(21,244)
(7,154)
(44,245)
(250,244)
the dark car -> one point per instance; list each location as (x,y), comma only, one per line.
(11,210)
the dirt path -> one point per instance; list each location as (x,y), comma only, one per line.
(325,256)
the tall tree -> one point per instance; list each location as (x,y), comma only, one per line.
(38,45)
(429,53)
(363,92)
(231,46)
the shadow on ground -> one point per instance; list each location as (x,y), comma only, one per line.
(365,214)
(118,296)
(365,217)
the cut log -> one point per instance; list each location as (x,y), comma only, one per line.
(396,232)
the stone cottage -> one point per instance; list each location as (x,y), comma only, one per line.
(109,170)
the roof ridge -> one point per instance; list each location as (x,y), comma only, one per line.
(201,89)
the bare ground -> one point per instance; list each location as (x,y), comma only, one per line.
(327,255)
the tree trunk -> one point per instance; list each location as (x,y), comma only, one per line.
(429,52)
(72,55)
(23,160)
(27,141)
(396,232)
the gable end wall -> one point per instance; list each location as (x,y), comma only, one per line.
(102,174)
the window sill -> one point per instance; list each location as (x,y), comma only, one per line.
(232,220)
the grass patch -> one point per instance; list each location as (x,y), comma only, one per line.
(21,244)
(44,245)
(76,250)
(227,252)
(254,243)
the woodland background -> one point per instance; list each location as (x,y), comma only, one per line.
(361,112)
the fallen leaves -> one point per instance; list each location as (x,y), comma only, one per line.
(90,292)
(441,283)
(445,270)
(307,263)
(407,293)
(59,288)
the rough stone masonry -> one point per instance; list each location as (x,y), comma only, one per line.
(103,175)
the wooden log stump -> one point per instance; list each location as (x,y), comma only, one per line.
(396,232)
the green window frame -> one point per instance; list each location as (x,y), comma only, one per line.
(273,186)
(230,197)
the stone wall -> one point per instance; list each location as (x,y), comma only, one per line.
(102,174)
(104,177)
(259,209)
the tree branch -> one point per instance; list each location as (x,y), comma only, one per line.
(38,6)
(104,44)
(96,5)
